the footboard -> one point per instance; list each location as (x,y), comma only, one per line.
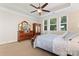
(33,39)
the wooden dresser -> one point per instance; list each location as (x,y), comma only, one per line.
(21,35)
(24,36)
(29,35)
(24,32)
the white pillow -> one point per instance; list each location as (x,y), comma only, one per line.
(76,38)
(64,34)
(73,35)
(69,35)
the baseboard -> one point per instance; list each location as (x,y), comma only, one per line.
(6,42)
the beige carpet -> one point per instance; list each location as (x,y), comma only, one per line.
(21,49)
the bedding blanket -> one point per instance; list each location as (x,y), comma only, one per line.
(51,43)
(59,46)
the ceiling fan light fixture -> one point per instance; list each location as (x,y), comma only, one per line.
(39,10)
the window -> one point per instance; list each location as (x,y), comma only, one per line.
(63,23)
(53,24)
(45,24)
(56,24)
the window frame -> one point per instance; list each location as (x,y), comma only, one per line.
(53,24)
(45,25)
(63,23)
(58,24)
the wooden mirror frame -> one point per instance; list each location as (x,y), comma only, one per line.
(20,26)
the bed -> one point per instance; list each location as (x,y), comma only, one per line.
(73,46)
(52,43)
(58,44)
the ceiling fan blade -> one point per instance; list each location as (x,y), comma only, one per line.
(61,6)
(46,10)
(44,5)
(33,11)
(33,6)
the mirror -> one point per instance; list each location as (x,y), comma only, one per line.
(24,26)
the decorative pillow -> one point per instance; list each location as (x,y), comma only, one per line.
(75,39)
(69,35)
(73,35)
(64,34)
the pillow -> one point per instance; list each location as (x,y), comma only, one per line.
(69,35)
(74,35)
(64,34)
(76,38)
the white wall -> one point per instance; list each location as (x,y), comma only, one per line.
(73,21)
(9,25)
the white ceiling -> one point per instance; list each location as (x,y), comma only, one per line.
(25,8)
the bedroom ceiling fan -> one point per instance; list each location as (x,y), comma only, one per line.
(39,9)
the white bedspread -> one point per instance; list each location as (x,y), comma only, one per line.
(60,46)
(73,46)
(52,43)
(45,42)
